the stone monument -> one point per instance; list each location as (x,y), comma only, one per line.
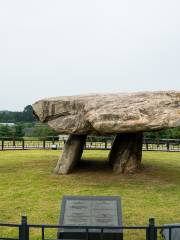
(101,215)
(127,115)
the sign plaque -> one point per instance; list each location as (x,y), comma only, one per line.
(91,211)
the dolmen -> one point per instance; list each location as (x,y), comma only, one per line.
(126,115)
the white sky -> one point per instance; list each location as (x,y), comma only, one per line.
(67,47)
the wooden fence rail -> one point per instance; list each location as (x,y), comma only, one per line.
(105,144)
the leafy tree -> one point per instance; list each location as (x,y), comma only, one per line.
(171,133)
(18,131)
(27,114)
(5,131)
(43,130)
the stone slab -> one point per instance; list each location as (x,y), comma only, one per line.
(110,113)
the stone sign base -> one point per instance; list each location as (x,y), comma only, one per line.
(90,212)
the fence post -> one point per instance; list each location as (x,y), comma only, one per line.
(167,145)
(23,144)
(151,232)
(2,144)
(14,142)
(24,229)
(105,144)
(44,143)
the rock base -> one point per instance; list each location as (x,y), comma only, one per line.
(72,153)
(125,155)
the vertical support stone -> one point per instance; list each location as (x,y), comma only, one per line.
(125,155)
(72,153)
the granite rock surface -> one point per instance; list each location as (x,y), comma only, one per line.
(110,113)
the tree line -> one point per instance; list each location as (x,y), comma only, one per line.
(26,116)
(26,130)
(24,123)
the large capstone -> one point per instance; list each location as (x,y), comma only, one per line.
(110,113)
(120,113)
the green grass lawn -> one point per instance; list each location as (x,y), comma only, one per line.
(28,185)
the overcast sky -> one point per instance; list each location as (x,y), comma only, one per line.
(67,47)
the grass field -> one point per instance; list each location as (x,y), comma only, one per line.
(28,185)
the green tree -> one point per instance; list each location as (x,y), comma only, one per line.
(170,133)
(18,131)
(5,131)
(28,114)
(43,130)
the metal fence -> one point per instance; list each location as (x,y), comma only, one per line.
(54,143)
(149,232)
